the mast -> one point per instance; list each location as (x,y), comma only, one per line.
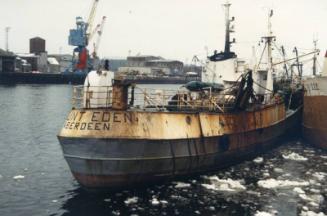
(228,29)
(314,67)
(285,66)
(268,40)
(298,64)
(7,38)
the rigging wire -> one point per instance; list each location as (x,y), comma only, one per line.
(257,66)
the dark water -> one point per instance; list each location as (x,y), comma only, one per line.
(30,118)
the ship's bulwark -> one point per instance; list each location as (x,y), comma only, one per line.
(106,149)
(315,120)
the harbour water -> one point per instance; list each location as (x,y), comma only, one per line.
(35,179)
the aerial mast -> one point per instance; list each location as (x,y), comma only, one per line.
(7,38)
(314,67)
(268,40)
(298,64)
(228,28)
(284,59)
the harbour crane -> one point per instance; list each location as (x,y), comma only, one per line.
(80,38)
(97,43)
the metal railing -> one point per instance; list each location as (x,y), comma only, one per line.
(92,97)
(181,100)
(155,99)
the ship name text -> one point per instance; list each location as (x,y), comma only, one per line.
(98,120)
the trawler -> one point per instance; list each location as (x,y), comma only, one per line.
(314,108)
(120,135)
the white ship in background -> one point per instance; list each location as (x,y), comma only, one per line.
(224,67)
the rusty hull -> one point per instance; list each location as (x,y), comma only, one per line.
(315,120)
(107,148)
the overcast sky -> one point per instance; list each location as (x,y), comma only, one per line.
(174,29)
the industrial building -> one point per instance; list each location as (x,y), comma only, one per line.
(64,60)
(37,60)
(53,65)
(152,66)
(140,61)
(7,61)
(114,64)
(37,45)
(22,65)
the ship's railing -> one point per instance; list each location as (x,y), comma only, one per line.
(161,99)
(92,97)
(155,99)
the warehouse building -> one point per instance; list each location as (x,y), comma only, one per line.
(7,62)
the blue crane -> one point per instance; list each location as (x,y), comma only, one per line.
(80,37)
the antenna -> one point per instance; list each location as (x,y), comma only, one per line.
(206,49)
(298,64)
(269,39)
(284,59)
(314,67)
(7,37)
(229,29)
(268,44)
(270,32)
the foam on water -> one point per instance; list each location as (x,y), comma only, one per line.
(262,213)
(305,197)
(319,175)
(17,177)
(164,202)
(312,190)
(258,160)
(155,201)
(314,200)
(218,184)
(311,213)
(131,200)
(182,185)
(298,190)
(278,170)
(273,183)
(294,156)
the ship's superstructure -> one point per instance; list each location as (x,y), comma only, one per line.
(224,67)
